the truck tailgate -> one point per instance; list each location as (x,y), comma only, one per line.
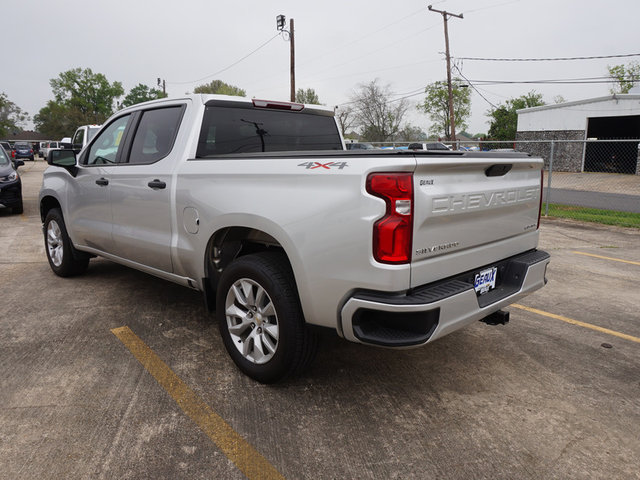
(472,210)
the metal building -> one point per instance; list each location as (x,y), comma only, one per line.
(583,131)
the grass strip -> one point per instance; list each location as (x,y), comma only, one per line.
(606,217)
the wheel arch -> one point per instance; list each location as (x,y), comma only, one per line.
(230,243)
(48,203)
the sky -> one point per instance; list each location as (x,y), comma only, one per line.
(338,46)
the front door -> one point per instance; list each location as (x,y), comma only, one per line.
(90,214)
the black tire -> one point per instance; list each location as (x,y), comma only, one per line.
(64,259)
(18,209)
(294,347)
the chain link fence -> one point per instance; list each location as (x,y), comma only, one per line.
(597,179)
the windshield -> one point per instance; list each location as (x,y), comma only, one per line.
(3,157)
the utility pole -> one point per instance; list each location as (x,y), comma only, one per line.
(280,21)
(445,17)
(164,86)
(293,61)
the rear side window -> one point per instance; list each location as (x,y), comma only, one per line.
(228,130)
(155,134)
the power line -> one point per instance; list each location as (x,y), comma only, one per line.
(227,68)
(413,93)
(557,59)
(473,86)
(362,37)
(569,81)
(492,6)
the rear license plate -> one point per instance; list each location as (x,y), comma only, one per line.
(485,280)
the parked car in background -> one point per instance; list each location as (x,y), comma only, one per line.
(8,148)
(22,150)
(43,145)
(359,146)
(83,135)
(48,146)
(10,183)
(428,146)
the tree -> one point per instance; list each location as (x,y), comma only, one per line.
(11,116)
(346,119)
(626,77)
(141,93)
(81,97)
(307,96)
(57,121)
(90,93)
(221,88)
(504,119)
(436,105)
(410,133)
(378,117)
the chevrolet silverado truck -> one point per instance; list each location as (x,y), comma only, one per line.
(258,205)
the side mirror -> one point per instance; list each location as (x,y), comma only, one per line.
(63,158)
(18,163)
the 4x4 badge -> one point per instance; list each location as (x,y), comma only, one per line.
(328,165)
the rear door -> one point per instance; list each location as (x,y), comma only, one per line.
(472,209)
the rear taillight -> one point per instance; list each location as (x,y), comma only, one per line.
(541,191)
(392,234)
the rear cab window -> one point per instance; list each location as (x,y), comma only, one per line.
(245,129)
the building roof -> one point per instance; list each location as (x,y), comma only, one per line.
(26,136)
(616,96)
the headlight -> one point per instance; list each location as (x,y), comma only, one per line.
(9,178)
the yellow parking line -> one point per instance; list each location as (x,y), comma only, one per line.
(237,449)
(607,258)
(576,322)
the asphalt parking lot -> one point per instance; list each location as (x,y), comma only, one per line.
(116,374)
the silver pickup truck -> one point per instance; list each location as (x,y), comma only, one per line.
(258,205)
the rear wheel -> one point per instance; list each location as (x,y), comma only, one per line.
(260,318)
(64,259)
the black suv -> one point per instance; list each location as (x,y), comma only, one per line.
(10,183)
(22,150)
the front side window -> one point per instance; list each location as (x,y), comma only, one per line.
(228,130)
(107,145)
(155,134)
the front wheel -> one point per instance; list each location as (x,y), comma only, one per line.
(261,320)
(64,259)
